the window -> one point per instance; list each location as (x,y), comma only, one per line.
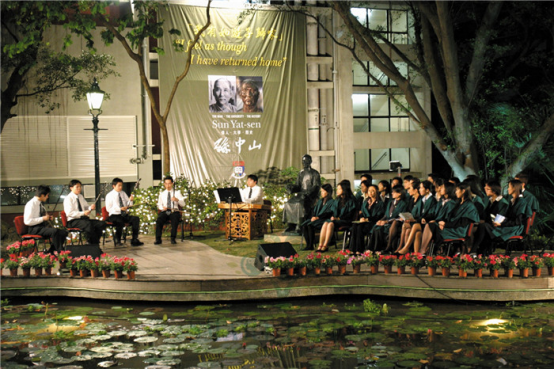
(377,160)
(361,78)
(390,24)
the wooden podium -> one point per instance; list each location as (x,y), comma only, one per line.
(247,220)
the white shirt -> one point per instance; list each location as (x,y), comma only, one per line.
(31,216)
(257,196)
(162,199)
(72,209)
(112,202)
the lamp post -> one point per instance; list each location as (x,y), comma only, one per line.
(95,97)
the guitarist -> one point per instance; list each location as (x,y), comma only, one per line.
(37,219)
(117,205)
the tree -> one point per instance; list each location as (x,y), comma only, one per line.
(31,68)
(131,31)
(458,48)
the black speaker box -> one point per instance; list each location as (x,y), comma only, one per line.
(272,250)
(84,250)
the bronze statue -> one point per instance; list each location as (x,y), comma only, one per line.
(306,190)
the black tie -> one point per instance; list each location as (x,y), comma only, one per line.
(393,205)
(168,200)
(250,193)
(120,202)
(79,204)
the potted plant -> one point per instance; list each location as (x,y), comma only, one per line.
(523,263)
(478,263)
(117,267)
(508,264)
(2,262)
(36,263)
(416,261)
(301,264)
(494,263)
(548,260)
(12,264)
(63,257)
(275,264)
(537,263)
(432,265)
(327,263)
(81,265)
(130,268)
(445,263)
(314,262)
(401,262)
(105,265)
(464,263)
(356,261)
(27,247)
(387,261)
(372,260)
(341,259)
(290,264)
(14,249)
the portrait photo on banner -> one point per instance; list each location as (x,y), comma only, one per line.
(222,94)
(250,94)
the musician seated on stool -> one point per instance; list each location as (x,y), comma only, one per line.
(252,194)
(168,205)
(37,219)
(117,205)
(78,210)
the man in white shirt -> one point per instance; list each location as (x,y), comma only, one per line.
(252,194)
(78,210)
(35,217)
(169,202)
(117,204)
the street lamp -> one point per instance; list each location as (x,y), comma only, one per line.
(95,97)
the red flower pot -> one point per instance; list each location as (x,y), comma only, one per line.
(401,270)
(432,271)
(375,269)
(356,269)
(290,272)
(445,272)
(388,269)
(415,270)
(302,271)
(536,272)
(342,269)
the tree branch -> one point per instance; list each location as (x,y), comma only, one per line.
(482,38)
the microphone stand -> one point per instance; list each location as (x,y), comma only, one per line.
(190,236)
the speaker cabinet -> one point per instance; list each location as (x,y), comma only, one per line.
(272,250)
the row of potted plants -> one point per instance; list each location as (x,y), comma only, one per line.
(22,248)
(317,262)
(83,265)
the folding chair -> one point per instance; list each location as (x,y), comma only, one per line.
(518,240)
(105,216)
(71,230)
(22,229)
(453,241)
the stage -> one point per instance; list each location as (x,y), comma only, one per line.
(192,271)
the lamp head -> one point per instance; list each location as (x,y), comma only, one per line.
(95,97)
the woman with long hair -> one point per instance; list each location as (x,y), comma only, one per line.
(384,191)
(380,231)
(512,225)
(456,225)
(413,201)
(344,212)
(423,213)
(323,210)
(372,210)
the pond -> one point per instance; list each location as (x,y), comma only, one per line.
(344,332)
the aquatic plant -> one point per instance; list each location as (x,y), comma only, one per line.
(371,307)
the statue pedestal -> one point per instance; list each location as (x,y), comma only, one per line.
(281,237)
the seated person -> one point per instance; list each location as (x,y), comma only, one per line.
(252,194)
(513,225)
(380,232)
(344,212)
(497,203)
(423,212)
(323,210)
(384,191)
(372,210)
(78,210)
(35,218)
(528,196)
(360,194)
(413,201)
(169,202)
(457,223)
(117,205)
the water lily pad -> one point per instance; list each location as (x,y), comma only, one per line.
(146,339)
(107,364)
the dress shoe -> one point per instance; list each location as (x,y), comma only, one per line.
(173,242)
(117,243)
(308,248)
(136,242)
(158,242)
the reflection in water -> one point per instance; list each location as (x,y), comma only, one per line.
(330,333)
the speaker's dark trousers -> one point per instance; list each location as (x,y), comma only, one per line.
(57,236)
(163,217)
(92,227)
(119,221)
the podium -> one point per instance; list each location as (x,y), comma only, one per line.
(247,220)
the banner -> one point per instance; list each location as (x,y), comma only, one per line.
(242,106)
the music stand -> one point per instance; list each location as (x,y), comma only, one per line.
(231,195)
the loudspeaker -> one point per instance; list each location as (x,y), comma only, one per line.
(272,250)
(84,250)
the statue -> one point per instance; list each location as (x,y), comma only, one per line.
(306,190)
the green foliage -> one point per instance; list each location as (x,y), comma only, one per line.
(372,307)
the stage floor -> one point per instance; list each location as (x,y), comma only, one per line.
(193,271)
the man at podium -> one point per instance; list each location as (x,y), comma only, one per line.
(252,194)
